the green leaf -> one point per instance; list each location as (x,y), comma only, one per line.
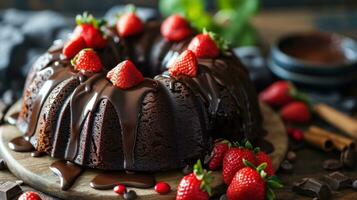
(274,184)
(248,164)
(270,194)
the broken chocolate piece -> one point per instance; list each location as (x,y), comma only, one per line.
(188,169)
(332,164)
(337,180)
(2,164)
(348,157)
(312,188)
(9,190)
(291,156)
(286,167)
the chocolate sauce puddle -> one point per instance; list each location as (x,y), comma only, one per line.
(108,180)
(37,154)
(67,172)
(19,144)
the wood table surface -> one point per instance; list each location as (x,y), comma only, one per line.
(272,25)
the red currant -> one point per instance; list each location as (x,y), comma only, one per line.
(120,189)
(162,188)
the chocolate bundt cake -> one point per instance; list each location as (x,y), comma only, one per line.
(162,123)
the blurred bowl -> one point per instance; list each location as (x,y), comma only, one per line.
(316,59)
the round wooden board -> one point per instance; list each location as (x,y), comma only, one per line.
(36,173)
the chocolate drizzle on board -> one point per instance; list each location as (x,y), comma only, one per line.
(108,180)
(67,172)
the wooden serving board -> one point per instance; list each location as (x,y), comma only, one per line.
(36,173)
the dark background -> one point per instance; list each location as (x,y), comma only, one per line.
(100,6)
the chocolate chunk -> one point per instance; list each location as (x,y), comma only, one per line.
(337,180)
(2,164)
(9,190)
(19,182)
(286,167)
(348,157)
(291,156)
(130,195)
(332,164)
(312,188)
(354,185)
(187,169)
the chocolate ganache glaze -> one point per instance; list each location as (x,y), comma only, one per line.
(160,124)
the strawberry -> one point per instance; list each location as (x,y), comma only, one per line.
(175,28)
(278,94)
(129,24)
(29,196)
(72,47)
(252,183)
(89,28)
(162,188)
(87,60)
(125,75)
(232,161)
(195,185)
(217,155)
(295,133)
(261,157)
(186,64)
(296,112)
(203,46)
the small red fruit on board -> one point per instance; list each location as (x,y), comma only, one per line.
(186,64)
(125,75)
(175,28)
(195,185)
(233,160)
(295,133)
(261,157)
(29,196)
(278,94)
(119,189)
(129,24)
(87,60)
(296,112)
(162,188)
(219,150)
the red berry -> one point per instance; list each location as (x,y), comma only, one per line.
(162,188)
(93,36)
(29,196)
(277,94)
(125,75)
(185,64)
(87,60)
(296,112)
(218,152)
(72,47)
(129,24)
(247,184)
(262,157)
(175,28)
(195,185)
(203,46)
(233,161)
(120,189)
(295,134)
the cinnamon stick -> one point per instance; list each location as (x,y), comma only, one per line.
(337,119)
(340,142)
(323,143)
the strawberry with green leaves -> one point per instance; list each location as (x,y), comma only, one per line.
(87,60)
(175,28)
(186,64)
(129,23)
(261,157)
(219,150)
(207,45)
(125,75)
(233,160)
(252,183)
(196,185)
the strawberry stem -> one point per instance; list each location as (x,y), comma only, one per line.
(87,18)
(221,43)
(204,176)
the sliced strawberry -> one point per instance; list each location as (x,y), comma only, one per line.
(203,46)
(186,64)
(72,47)
(129,24)
(125,75)
(87,60)
(175,28)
